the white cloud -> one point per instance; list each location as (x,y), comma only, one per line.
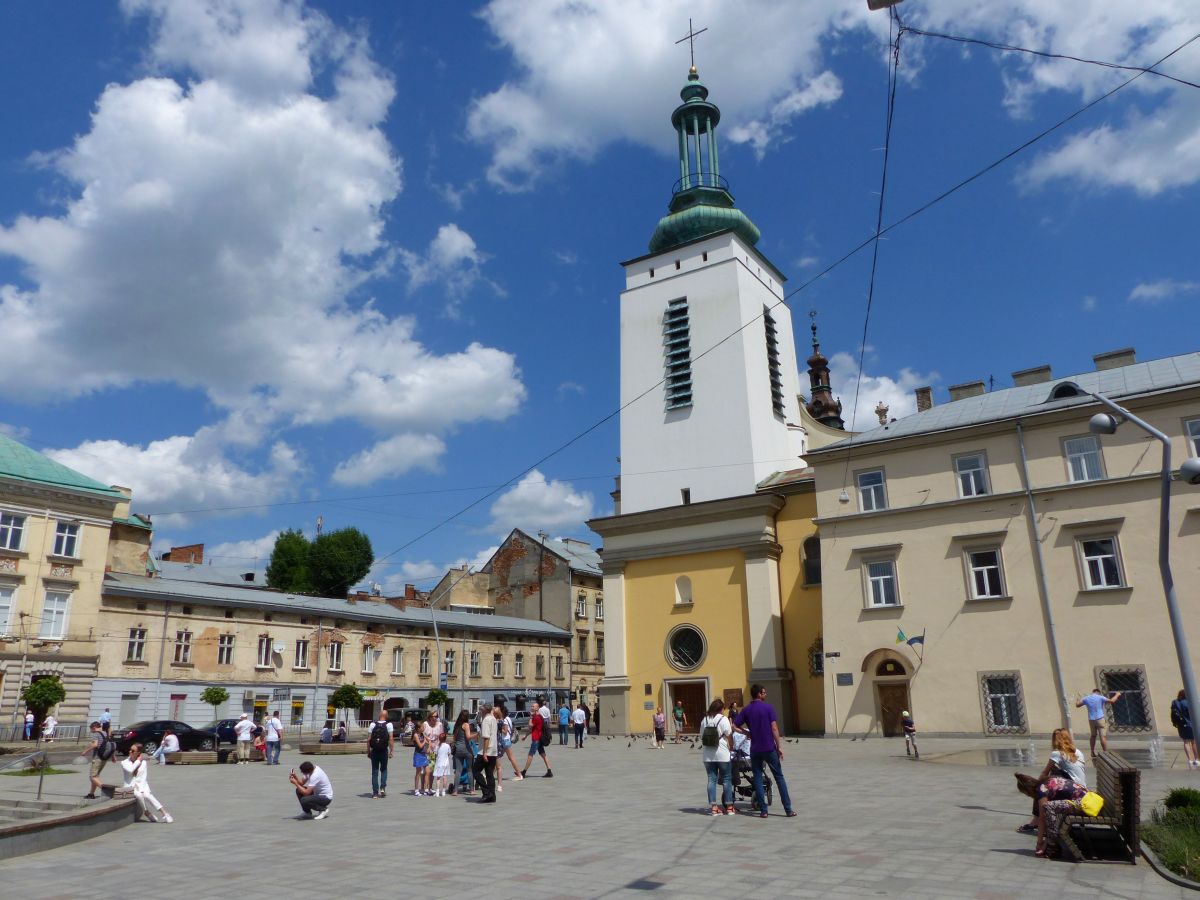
(221,212)
(566,257)
(807,262)
(1151,292)
(894,393)
(570,387)
(16,432)
(453,261)
(390,458)
(534,504)
(1088,304)
(250,553)
(763,133)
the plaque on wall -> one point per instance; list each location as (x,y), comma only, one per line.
(845,679)
(733,695)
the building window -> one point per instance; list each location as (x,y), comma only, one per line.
(882,589)
(812,560)
(497,665)
(66,539)
(683,591)
(183,646)
(558,667)
(12,531)
(871,493)
(473,662)
(423,665)
(686,648)
(1193,434)
(1131,712)
(136,649)
(678,355)
(599,649)
(581,654)
(1083,458)
(816,658)
(599,608)
(1101,563)
(301,655)
(581,606)
(539,668)
(972,475)
(368,659)
(335,656)
(450,663)
(398,661)
(1003,705)
(225,650)
(987,574)
(54,614)
(774,370)
(264,651)
(8,594)
(519,666)
(298,711)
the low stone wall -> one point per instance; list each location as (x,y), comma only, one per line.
(57,831)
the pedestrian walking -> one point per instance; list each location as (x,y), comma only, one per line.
(243,730)
(381,744)
(587,720)
(716,742)
(106,720)
(314,790)
(463,738)
(564,720)
(49,724)
(910,734)
(489,748)
(579,717)
(659,723)
(758,718)
(506,742)
(30,718)
(1096,702)
(596,715)
(1181,718)
(680,720)
(169,744)
(100,751)
(135,769)
(434,732)
(538,736)
(274,737)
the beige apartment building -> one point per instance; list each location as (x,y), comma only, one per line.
(1004,533)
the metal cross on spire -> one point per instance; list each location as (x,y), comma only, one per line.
(690,37)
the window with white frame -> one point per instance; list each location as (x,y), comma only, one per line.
(301,661)
(225,650)
(473,660)
(1193,435)
(971,471)
(66,539)
(581,655)
(54,614)
(519,666)
(1083,458)
(1101,563)
(1003,705)
(497,665)
(986,574)
(183,646)
(12,531)
(599,608)
(558,667)
(581,606)
(135,650)
(450,659)
(8,597)
(871,491)
(882,589)
(423,664)
(398,661)
(264,651)
(335,656)
(539,667)
(368,659)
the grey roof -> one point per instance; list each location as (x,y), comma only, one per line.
(205,573)
(138,586)
(581,557)
(1126,381)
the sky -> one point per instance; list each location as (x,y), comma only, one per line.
(267,261)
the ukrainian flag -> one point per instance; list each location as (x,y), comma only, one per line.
(900,637)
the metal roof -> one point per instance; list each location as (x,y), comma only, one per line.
(580,556)
(1009,403)
(25,464)
(204,573)
(140,587)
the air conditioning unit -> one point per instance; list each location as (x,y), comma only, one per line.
(248,696)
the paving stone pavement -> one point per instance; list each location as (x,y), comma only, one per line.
(615,821)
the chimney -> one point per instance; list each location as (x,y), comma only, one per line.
(965,390)
(881,411)
(1114,359)
(1036,375)
(121,511)
(190,553)
(924,399)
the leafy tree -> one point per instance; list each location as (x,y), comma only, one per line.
(436,698)
(288,568)
(214,696)
(43,694)
(337,560)
(348,696)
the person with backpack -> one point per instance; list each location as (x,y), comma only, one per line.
(381,744)
(274,729)
(716,742)
(101,750)
(539,737)
(1181,718)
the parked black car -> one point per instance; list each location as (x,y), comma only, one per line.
(224,730)
(149,735)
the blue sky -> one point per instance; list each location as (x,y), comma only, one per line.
(264,261)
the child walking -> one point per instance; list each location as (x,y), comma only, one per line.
(910,735)
(441,771)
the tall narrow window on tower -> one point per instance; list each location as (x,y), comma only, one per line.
(678,354)
(773,362)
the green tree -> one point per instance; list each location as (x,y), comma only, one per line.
(348,696)
(436,698)
(288,568)
(43,694)
(214,696)
(338,560)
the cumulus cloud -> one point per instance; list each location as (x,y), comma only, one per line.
(894,393)
(1088,304)
(16,432)
(253,553)
(1151,292)
(452,260)
(535,504)
(765,132)
(390,458)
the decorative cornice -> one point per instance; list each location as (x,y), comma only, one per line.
(689,514)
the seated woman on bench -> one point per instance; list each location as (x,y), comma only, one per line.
(1058,789)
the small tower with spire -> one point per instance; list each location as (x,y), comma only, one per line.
(822,405)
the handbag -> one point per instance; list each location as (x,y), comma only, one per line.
(1091,804)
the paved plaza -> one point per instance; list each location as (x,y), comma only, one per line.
(615,821)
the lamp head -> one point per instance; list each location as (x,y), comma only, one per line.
(844,496)
(1103,423)
(1190,470)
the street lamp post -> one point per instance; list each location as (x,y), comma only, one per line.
(1105,423)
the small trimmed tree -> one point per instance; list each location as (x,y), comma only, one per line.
(436,698)
(43,694)
(214,696)
(348,696)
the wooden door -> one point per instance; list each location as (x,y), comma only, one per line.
(893,700)
(694,697)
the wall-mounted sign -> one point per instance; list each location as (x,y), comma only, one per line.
(845,679)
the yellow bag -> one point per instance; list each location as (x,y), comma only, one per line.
(1091,804)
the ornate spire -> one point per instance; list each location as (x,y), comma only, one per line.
(822,405)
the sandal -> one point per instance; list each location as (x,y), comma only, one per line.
(1040,852)
(715,811)
(730,811)
(1026,829)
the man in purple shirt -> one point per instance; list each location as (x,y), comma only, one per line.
(758,718)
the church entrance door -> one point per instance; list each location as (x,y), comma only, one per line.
(893,700)
(693,695)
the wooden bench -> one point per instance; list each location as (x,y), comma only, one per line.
(192,757)
(1120,784)
(316,748)
(230,755)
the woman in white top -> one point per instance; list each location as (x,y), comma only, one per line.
(716,740)
(135,767)
(48,727)
(1063,778)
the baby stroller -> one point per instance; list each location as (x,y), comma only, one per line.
(743,780)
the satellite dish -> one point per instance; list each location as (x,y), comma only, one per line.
(279,647)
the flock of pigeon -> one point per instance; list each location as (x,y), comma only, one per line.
(691,742)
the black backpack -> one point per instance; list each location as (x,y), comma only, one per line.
(710,736)
(106,748)
(378,739)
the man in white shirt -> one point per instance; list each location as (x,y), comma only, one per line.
(579,718)
(244,731)
(489,750)
(274,730)
(313,789)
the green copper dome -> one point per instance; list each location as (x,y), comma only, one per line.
(701,203)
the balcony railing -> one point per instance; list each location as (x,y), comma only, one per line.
(700,180)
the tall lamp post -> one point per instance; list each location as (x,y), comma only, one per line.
(1189,472)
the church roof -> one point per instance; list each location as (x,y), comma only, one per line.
(22,463)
